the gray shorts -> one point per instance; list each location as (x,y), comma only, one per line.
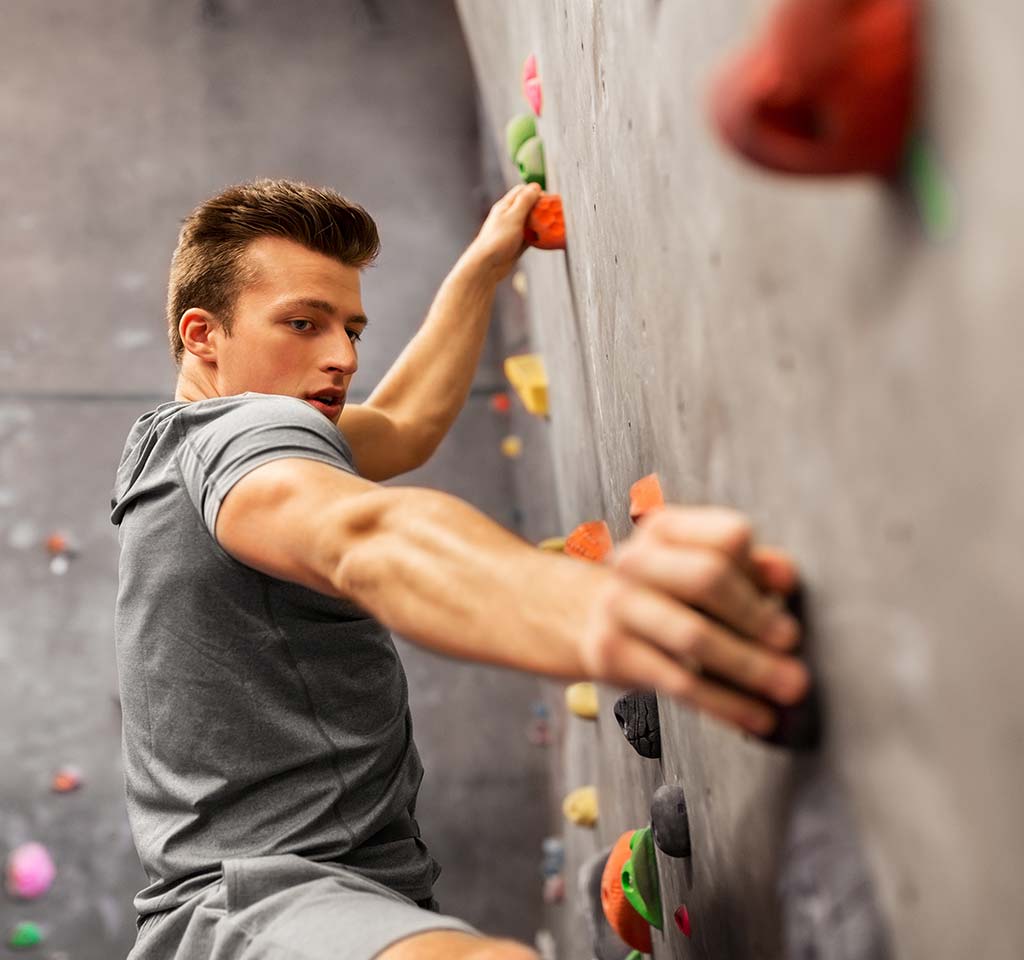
(287,908)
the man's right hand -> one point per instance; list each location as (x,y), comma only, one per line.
(691,595)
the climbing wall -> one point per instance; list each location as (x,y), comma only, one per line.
(806,351)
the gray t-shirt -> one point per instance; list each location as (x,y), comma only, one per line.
(260,717)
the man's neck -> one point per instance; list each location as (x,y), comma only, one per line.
(192,387)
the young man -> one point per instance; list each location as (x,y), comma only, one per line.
(270,771)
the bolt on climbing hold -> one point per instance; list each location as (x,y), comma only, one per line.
(800,725)
(512,446)
(580,806)
(827,88)
(619,910)
(553,544)
(500,402)
(531,85)
(519,283)
(30,871)
(604,939)
(518,130)
(527,375)
(66,779)
(637,716)
(590,541)
(530,161)
(644,496)
(59,547)
(670,822)
(682,919)
(25,934)
(545,224)
(581,699)
(540,733)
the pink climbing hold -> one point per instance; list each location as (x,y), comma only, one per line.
(682,918)
(30,871)
(531,85)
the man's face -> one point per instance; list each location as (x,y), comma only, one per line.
(294,328)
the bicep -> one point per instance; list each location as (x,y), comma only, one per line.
(381,446)
(286,519)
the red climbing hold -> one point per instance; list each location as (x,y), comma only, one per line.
(531,85)
(618,911)
(828,88)
(57,543)
(545,224)
(682,918)
(590,541)
(501,402)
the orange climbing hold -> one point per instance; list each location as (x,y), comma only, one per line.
(644,496)
(545,224)
(590,541)
(618,911)
(827,88)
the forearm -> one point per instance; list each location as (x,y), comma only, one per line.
(429,382)
(437,571)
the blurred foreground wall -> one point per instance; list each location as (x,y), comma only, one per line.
(800,350)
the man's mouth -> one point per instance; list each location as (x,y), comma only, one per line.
(329,404)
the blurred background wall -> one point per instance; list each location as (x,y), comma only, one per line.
(116,119)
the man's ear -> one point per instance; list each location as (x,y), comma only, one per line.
(200,332)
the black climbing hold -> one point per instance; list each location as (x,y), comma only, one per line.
(637,714)
(670,821)
(800,724)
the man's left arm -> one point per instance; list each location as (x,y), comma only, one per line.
(408,414)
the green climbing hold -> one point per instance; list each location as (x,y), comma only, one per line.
(634,955)
(530,160)
(518,130)
(932,190)
(26,934)
(640,881)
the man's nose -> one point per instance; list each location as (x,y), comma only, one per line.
(341,356)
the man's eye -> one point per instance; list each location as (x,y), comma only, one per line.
(354,335)
(301,325)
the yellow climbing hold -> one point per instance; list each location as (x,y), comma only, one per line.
(512,446)
(553,544)
(581,699)
(580,806)
(527,375)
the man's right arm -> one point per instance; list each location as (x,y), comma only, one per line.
(434,569)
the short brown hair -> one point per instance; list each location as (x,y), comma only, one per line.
(209,268)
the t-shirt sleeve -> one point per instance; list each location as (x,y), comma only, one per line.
(222,446)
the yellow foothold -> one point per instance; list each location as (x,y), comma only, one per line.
(581,699)
(519,283)
(553,544)
(580,806)
(512,446)
(527,375)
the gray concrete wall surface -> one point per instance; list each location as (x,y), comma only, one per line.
(116,119)
(801,350)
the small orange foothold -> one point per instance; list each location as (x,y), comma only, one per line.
(501,402)
(66,779)
(57,543)
(619,912)
(590,541)
(545,224)
(645,495)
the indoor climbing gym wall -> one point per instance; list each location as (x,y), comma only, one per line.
(117,119)
(790,284)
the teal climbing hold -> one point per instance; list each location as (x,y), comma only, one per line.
(26,934)
(640,881)
(517,131)
(530,160)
